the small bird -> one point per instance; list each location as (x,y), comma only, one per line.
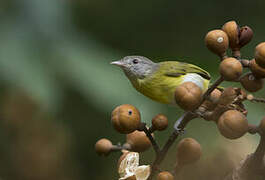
(159,81)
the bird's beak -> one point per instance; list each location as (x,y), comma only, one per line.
(117,63)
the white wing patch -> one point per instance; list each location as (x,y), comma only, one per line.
(195,78)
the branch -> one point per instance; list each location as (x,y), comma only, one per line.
(120,147)
(252,167)
(253,129)
(184,120)
(179,127)
(212,87)
(245,62)
(251,98)
(150,137)
(236,54)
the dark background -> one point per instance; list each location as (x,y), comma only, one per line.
(58,89)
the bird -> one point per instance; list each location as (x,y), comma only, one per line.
(158,81)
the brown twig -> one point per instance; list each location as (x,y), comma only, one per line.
(212,87)
(150,137)
(253,129)
(179,128)
(119,147)
(176,170)
(252,167)
(245,62)
(151,129)
(258,100)
(236,54)
(185,119)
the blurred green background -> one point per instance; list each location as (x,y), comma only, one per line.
(58,89)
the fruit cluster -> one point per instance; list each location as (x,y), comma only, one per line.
(231,68)
(224,106)
(126,120)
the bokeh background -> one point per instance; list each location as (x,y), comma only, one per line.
(58,89)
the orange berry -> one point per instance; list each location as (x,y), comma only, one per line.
(238,37)
(138,141)
(125,118)
(257,71)
(159,122)
(232,30)
(214,97)
(103,146)
(188,95)
(165,175)
(231,69)
(228,96)
(188,151)
(251,83)
(217,42)
(245,35)
(260,54)
(232,124)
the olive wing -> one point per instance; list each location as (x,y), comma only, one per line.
(175,69)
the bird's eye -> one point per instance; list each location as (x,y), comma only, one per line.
(135,61)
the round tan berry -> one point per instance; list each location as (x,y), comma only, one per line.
(217,42)
(250,97)
(165,175)
(262,126)
(138,141)
(215,95)
(231,69)
(232,30)
(257,71)
(159,122)
(245,35)
(228,96)
(232,124)
(125,118)
(188,96)
(188,151)
(260,54)
(103,146)
(251,83)
(213,99)
(242,94)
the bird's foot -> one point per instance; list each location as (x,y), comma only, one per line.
(177,123)
(180,131)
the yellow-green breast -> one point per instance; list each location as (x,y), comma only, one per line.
(161,84)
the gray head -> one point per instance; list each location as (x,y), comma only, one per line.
(136,66)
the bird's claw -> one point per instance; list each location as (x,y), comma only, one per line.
(180,131)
